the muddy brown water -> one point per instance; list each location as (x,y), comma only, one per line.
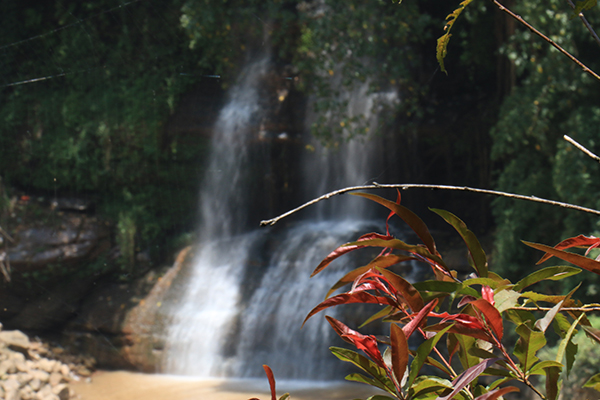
(121,385)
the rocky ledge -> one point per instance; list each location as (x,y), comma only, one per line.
(34,370)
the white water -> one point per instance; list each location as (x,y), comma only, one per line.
(249,292)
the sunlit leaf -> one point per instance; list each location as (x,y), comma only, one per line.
(577,241)
(539,368)
(467,377)
(593,383)
(412,220)
(428,384)
(366,365)
(506,299)
(549,273)
(575,259)
(356,377)
(418,319)
(475,250)
(527,346)
(543,323)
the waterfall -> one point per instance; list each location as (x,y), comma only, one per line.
(249,289)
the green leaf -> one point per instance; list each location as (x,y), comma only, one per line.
(565,348)
(422,353)
(380,397)
(428,384)
(442,42)
(580,6)
(593,382)
(549,273)
(527,346)
(505,299)
(285,396)
(384,312)
(356,377)
(412,220)
(368,366)
(482,281)
(437,286)
(467,343)
(552,375)
(539,368)
(478,256)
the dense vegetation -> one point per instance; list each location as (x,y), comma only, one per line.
(88,89)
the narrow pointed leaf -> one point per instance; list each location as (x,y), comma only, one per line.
(412,220)
(539,368)
(543,323)
(428,384)
(364,364)
(271,379)
(477,333)
(384,261)
(492,316)
(438,286)
(422,353)
(577,241)
(552,389)
(575,259)
(346,298)
(399,352)
(592,333)
(466,343)
(494,394)
(593,383)
(475,250)
(346,248)
(408,291)
(419,318)
(384,312)
(568,347)
(467,377)
(549,273)
(356,377)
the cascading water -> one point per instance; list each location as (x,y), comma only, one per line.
(250,290)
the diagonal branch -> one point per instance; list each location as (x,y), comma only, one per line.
(405,186)
(546,38)
(580,147)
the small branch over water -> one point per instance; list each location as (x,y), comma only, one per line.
(406,186)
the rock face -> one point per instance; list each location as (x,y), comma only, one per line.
(29,371)
(123,326)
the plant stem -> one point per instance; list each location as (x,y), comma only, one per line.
(405,186)
(586,23)
(580,147)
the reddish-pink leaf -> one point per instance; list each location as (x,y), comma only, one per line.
(346,248)
(467,377)
(341,329)
(492,316)
(399,351)
(477,333)
(345,298)
(418,319)
(487,293)
(411,219)
(466,300)
(405,288)
(463,319)
(577,241)
(576,259)
(494,394)
(271,379)
(366,343)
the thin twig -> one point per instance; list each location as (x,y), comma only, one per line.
(6,235)
(405,186)
(580,147)
(578,309)
(546,38)
(586,23)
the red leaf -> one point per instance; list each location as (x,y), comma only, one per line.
(341,329)
(405,288)
(487,293)
(461,330)
(346,248)
(577,241)
(345,298)
(418,318)
(494,394)
(492,316)
(576,259)
(399,352)
(467,377)
(271,379)
(463,319)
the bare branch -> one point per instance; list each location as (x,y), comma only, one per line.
(586,23)
(6,235)
(405,186)
(546,38)
(580,147)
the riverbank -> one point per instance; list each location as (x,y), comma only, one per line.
(121,385)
